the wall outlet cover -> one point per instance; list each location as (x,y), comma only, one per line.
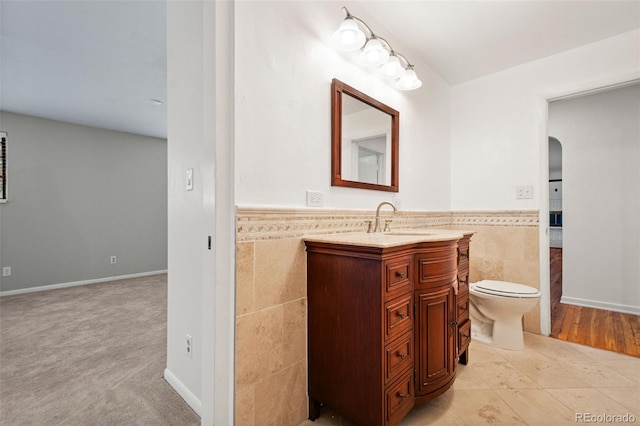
(314,199)
(6,271)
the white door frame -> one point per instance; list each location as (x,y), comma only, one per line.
(543,137)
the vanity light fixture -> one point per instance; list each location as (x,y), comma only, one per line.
(375,52)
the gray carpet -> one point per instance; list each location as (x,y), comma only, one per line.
(89,355)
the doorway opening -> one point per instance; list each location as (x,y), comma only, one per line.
(593,234)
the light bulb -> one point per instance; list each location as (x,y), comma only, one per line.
(409,81)
(392,68)
(349,36)
(374,53)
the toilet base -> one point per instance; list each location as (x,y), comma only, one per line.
(508,334)
(503,335)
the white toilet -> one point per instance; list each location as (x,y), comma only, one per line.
(496,309)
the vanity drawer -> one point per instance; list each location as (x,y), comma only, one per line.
(463,255)
(463,306)
(399,399)
(463,281)
(464,336)
(438,268)
(397,276)
(398,317)
(398,357)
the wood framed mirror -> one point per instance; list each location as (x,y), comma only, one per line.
(364,140)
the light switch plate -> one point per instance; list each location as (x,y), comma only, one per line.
(524,192)
(189,180)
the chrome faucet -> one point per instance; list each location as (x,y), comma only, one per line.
(377,227)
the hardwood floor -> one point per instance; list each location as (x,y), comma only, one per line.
(597,328)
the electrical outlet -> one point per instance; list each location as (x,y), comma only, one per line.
(114,260)
(314,199)
(524,192)
(189,347)
(6,271)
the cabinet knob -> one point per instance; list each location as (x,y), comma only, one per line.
(401,355)
(402,395)
(401,314)
(399,274)
(453,323)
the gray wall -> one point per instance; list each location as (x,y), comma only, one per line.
(76,196)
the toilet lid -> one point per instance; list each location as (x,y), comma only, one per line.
(506,289)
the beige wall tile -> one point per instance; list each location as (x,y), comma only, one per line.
(505,242)
(531,244)
(485,269)
(281,399)
(259,345)
(244,277)
(280,272)
(527,273)
(245,406)
(532,320)
(295,332)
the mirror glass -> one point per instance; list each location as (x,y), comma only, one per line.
(364,141)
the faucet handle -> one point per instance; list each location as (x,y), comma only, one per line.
(387,222)
(369,226)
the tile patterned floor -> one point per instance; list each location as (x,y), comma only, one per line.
(551,382)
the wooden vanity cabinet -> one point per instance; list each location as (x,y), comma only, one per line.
(360,331)
(382,327)
(462,311)
(435,324)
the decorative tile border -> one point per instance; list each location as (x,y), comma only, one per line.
(527,218)
(254,224)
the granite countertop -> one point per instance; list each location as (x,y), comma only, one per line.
(389,239)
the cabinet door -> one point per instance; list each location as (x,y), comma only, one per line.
(434,339)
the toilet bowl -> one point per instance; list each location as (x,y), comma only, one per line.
(496,309)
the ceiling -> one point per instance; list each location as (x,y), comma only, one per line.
(102,63)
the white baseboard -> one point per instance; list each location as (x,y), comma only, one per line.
(77,283)
(183,391)
(616,307)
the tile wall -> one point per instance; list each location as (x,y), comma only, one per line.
(271,362)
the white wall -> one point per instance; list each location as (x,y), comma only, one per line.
(600,136)
(284,68)
(498,121)
(200,136)
(188,221)
(77,196)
